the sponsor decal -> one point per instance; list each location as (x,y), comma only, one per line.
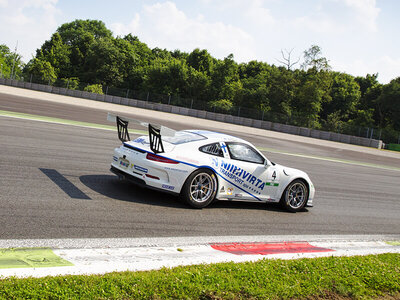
(214,162)
(140,141)
(238,195)
(168,187)
(141,169)
(229,191)
(224,149)
(272,184)
(242,177)
(123,162)
(115,158)
(175,170)
(222,190)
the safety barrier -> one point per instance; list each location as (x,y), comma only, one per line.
(290,129)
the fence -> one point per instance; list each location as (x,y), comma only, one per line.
(240,115)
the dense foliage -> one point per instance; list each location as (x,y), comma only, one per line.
(84,52)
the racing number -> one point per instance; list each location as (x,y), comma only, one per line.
(274,175)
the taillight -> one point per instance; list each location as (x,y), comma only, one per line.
(151,176)
(154,157)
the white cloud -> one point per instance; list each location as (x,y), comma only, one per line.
(387,68)
(163,25)
(120,29)
(366,12)
(360,15)
(257,13)
(30,22)
(319,23)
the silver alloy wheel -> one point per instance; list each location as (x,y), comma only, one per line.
(201,187)
(296,195)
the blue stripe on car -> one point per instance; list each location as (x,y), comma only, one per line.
(206,167)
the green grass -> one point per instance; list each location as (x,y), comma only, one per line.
(356,277)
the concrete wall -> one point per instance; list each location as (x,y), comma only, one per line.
(319,134)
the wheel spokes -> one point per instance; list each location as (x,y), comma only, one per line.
(201,187)
(296,194)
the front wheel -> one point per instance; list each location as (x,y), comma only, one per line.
(200,188)
(295,196)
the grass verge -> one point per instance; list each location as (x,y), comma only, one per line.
(370,276)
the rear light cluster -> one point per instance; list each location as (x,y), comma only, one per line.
(154,157)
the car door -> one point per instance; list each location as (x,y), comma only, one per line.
(246,167)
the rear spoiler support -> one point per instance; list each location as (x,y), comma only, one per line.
(122,127)
(156,144)
(155,131)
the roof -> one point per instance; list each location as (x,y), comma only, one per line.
(215,135)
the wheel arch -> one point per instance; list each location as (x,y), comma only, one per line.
(214,178)
(202,168)
(290,181)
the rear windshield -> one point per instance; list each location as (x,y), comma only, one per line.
(182,137)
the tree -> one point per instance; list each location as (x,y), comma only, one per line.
(282,89)
(313,59)
(201,61)
(287,59)
(57,54)
(105,63)
(223,74)
(389,104)
(41,70)
(11,63)
(167,76)
(370,90)
(345,94)
(79,35)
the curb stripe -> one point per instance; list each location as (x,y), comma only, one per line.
(269,248)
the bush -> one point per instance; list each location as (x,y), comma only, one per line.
(70,83)
(94,88)
(222,105)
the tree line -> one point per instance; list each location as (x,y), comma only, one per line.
(312,95)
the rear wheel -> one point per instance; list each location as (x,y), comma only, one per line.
(295,196)
(200,188)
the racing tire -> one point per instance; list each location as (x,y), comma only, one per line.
(295,196)
(200,188)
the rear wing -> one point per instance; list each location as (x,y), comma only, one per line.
(155,131)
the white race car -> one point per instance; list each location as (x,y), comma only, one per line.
(203,166)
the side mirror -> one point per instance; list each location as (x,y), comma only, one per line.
(266,164)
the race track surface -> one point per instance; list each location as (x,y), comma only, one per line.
(55,183)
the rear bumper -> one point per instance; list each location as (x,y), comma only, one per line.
(125,176)
(140,182)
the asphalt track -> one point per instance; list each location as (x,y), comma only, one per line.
(55,183)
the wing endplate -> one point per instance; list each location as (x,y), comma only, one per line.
(156,144)
(122,127)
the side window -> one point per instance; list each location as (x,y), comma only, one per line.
(244,152)
(213,149)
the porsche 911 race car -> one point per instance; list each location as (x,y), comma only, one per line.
(203,166)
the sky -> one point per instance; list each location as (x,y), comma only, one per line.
(358,37)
